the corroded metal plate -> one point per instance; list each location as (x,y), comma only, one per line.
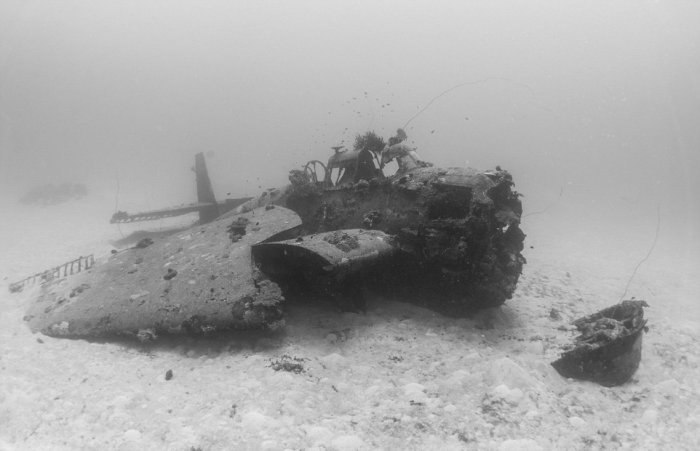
(196,281)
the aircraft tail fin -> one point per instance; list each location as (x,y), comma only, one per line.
(205,192)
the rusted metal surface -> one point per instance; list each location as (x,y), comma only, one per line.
(122,217)
(195,281)
(458,230)
(205,192)
(448,239)
(350,166)
(337,265)
(609,348)
(343,251)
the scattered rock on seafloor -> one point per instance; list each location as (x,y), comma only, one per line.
(609,348)
(289,364)
(144,243)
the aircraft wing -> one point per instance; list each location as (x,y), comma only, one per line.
(199,280)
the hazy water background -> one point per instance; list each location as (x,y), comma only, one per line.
(593,106)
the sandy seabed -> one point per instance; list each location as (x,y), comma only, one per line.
(398,377)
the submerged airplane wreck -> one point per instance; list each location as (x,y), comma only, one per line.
(448,239)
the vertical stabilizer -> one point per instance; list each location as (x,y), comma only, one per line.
(205,193)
